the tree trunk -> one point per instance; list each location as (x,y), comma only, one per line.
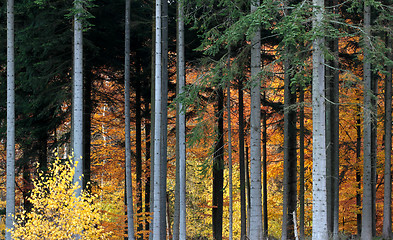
(367,210)
(358,174)
(290,158)
(138,148)
(87,109)
(130,205)
(264,170)
(319,230)
(242,168)
(256,230)
(10,195)
(164,109)
(230,156)
(301,163)
(78,97)
(387,199)
(218,168)
(147,164)
(179,228)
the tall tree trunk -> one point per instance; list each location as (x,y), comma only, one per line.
(10,196)
(367,210)
(264,171)
(230,156)
(387,198)
(179,228)
(87,109)
(242,168)
(256,230)
(78,97)
(358,174)
(319,230)
(130,205)
(147,163)
(290,158)
(153,123)
(218,168)
(138,148)
(332,132)
(164,109)
(158,224)
(301,163)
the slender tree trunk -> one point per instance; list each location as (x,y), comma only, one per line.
(367,210)
(319,230)
(264,171)
(158,224)
(358,174)
(242,168)
(138,148)
(335,118)
(130,205)
(387,199)
(230,158)
(248,191)
(147,164)
(164,109)
(179,229)
(301,163)
(218,169)
(10,196)
(256,230)
(78,97)
(87,109)
(290,158)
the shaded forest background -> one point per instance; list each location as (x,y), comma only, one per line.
(217,44)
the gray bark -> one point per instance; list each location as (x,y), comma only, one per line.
(10,196)
(179,228)
(78,97)
(157,194)
(164,110)
(256,232)
(130,205)
(319,230)
(367,210)
(387,198)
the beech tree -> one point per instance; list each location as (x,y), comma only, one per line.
(367,210)
(10,198)
(77,121)
(319,229)
(255,136)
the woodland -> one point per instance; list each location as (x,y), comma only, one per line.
(196,119)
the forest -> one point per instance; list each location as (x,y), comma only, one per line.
(196,119)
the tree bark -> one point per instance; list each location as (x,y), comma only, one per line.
(367,210)
(319,230)
(242,168)
(264,171)
(290,158)
(358,174)
(179,229)
(158,224)
(230,157)
(130,205)
(164,109)
(218,168)
(78,97)
(387,199)
(301,163)
(256,230)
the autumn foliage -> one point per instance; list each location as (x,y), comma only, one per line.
(57,212)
